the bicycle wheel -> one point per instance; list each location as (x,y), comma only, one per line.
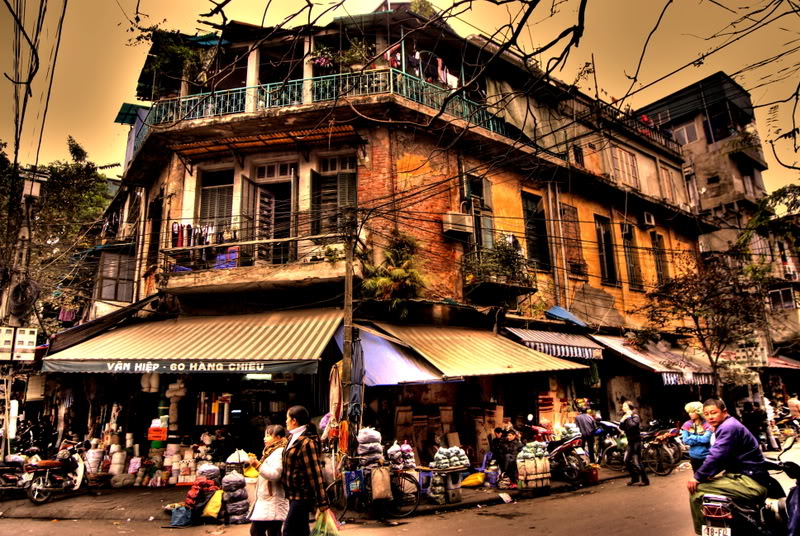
(614,459)
(659,460)
(337,499)
(405,495)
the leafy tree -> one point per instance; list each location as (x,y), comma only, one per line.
(61,219)
(716,301)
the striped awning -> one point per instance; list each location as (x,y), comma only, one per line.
(559,344)
(674,368)
(274,341)
(461,352)
(780,362)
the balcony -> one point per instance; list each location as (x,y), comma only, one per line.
(637,126)
(325,89)
(497,276)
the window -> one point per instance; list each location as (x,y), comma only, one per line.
(635,281)
(625,167)
(577,153)
(749,189)
(685,134)
(782,299)
(660,257)
(216,198)
(535,231)
(480,197)
(276,171)
(713,179)
(691,190)
(115,279)
(662,117)
(605,248)
(571,231)
(332,189)
(667,184)
(782,252)
(134,206)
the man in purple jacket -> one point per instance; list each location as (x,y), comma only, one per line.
(735,451)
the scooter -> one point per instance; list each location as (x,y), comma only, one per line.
(64,474)
(726,516)
(612,446)
(12,471)
(568,458)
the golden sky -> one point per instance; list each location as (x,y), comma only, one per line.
(97,70)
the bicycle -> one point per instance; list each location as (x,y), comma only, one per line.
(659,458)
(342,496)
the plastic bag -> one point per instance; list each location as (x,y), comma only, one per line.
(233,481)
(235,496)
(474,480)
(208,471)
(325,525)
(238,508)
(181,517)
(369,435)
(214,505)
(238,456)
(381,485)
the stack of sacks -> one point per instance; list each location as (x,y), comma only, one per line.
(94,460)
(438,490)
(208,471)
(395,456)
(533,449)
(450,458)
(369,448)
(122,481)
(175,392)
(198,496)
(117,460)
(409,460)
(235,498)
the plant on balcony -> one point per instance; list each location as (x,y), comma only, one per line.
(500,264)
(397,278)
(324,56)
(359,53)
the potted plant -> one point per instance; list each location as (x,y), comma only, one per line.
(357,56)
(324,56)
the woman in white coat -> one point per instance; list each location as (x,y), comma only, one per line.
(271,506)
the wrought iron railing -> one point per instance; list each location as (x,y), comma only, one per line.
(324,89)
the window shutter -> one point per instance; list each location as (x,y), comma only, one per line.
(347,192)
(487,193)
(316,195)
(535,230)
(487,231)
(572,234)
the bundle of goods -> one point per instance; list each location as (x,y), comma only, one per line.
(450,458)
(370,450)
(438,491)
(174,393)
(569,431)
(401,457)
(533,466)
(197,498)
(235,498)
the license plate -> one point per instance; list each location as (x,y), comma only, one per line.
(715,531)
(580,451)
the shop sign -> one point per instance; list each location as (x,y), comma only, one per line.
(157,434)
(178,366)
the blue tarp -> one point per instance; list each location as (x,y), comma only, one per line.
(559,313)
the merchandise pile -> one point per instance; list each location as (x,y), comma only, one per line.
(401,457)
(533,449)
(370,450)
(235,498)
(438,490)
(569,431)
(449,458)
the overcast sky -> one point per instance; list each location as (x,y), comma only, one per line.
(97,69)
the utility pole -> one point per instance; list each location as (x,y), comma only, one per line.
(347,346)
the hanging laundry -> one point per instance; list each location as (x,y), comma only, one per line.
(176,229)
(180,236)
(188,240)
(68,314)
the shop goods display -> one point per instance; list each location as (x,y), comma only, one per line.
(438,491)
(449,458)
(369,450)
(235,498)
(401,457)
(568,431)
(533,472)
(533,449)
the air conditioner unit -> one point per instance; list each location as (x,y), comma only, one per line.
(648,220)
(457,225)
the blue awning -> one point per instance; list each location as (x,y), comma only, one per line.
(559,313)
(389,363)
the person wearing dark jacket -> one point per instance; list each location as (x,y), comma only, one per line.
(734,451)
(302,473)
(633,455)
(587,425)
(510,450)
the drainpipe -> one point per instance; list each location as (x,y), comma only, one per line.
(553,250)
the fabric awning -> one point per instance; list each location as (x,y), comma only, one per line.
(559,313)
(274,341)
(559,344)
(389,363)
(470,352)
(780,362)
(675,369)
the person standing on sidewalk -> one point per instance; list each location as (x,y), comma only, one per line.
(302,472)
(696,434)
(633,455)
(587,426)
(270,507)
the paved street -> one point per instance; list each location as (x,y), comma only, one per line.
(660,509)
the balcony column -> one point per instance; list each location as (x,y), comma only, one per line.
(308,69)
(253,62)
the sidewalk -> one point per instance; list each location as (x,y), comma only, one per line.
(142,504)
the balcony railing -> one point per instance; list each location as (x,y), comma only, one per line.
(322,89)
(640,127)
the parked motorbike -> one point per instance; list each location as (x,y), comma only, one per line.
(726,516)
(12,472)
(612,446)
(657,453)
(670,432)
(63,474)
(567,457)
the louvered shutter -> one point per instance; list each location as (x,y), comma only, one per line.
(572,237)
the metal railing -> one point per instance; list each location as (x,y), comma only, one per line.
(325,89)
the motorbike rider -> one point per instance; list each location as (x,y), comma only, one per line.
(734,451)
(633,455)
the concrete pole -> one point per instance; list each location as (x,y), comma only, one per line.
(253,62)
